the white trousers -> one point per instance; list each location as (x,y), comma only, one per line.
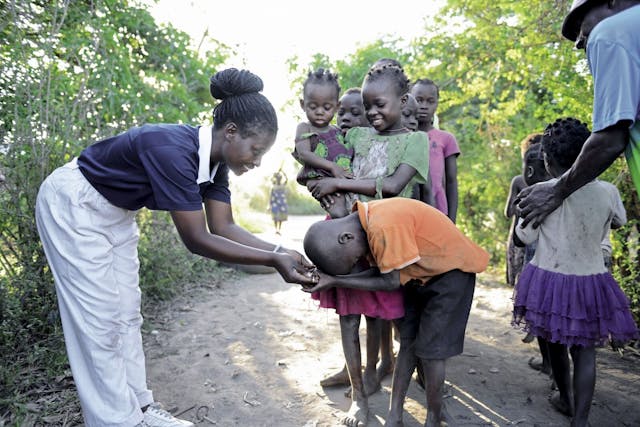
(91,247)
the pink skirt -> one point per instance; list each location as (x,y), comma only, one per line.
(381,304)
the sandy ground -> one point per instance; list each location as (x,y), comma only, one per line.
(251,350)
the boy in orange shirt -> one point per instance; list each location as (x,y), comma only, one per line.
(415,246)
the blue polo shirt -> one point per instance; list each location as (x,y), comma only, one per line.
(159,166)
(613,52)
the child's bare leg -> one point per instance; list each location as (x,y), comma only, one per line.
(434,370)
(386,350)
(359,410)
(370,377)
(562,400)
(584,382)
(405,364)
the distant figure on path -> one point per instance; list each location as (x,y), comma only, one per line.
(278,200)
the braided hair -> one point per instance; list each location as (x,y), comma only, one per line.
(241,102)
(391,70)
(563,139)
(322,77)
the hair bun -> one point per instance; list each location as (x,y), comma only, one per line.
(234,82)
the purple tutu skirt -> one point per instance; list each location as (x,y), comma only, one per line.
(586,311)
(380,304)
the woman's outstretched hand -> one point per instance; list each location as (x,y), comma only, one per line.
(295,268)
(536,202)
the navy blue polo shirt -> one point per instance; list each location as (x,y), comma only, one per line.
(160,167)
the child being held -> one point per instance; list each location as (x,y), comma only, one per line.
(417,248)
(319,144)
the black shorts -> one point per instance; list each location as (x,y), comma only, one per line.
(436,314)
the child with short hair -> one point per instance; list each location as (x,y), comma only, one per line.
(565,294)
(443,152)
(388,161)
(515,254)
(410,113)
(533,172)
(320,145)
(418,249)
(351,110)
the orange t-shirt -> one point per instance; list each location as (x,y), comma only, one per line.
(417,239)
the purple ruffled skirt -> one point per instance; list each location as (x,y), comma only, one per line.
(586,311)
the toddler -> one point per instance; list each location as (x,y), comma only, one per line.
(515,254)
(534,171)
(319,144)
(565,294)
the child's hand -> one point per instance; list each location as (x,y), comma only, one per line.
(324,282)
(339,172)
(322,187)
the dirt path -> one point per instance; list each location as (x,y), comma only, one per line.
(253,349)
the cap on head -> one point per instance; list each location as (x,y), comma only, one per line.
(571,24)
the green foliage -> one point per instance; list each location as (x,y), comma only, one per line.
(70,74)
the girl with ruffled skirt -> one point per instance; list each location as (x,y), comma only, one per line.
(566,295)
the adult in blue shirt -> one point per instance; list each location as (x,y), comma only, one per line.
(608,30)
(85,213)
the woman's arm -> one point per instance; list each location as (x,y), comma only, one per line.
(221,222)
(247,249)
(391,186)
(369,280)
(451,183)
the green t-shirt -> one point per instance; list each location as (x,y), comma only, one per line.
(380,155)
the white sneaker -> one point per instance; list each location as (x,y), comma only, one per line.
(156,416)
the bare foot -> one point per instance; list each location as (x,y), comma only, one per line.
(560,405)
(370,381)
(357,415)
(339,378)
(539,365)
(385,368)
(371,385)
